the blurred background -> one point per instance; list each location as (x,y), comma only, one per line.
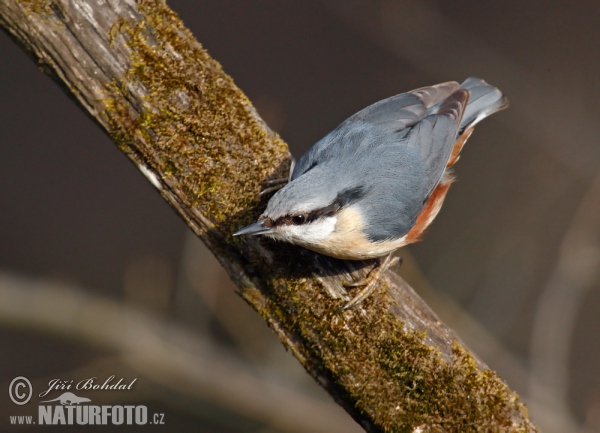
(98,276)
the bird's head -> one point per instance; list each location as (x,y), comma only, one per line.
(308,212)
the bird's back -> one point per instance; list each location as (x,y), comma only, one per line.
(397,151)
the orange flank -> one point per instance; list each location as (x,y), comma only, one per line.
(431,209)
(458,145)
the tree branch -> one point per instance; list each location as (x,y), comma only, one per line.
(163,352)
(140,74)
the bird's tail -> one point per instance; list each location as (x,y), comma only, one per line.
(485,100)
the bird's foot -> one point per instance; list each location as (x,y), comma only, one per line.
(369,282)
(276,184)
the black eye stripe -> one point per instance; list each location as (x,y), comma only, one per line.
(350,196)
(343,199)
(330,210)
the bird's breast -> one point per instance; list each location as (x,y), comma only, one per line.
(348,240)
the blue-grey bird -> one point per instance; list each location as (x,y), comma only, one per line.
(376,182)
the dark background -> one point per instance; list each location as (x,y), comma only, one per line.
(98,276)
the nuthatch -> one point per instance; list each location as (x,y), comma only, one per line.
(376,182)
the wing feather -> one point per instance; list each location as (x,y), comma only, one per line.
(433,95)
(395,150)
(408,171)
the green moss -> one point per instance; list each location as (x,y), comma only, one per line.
(387,373)
(194,126)
(198,121)
(177,112)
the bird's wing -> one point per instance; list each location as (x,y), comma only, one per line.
(435,135)
(391,116)
(433,95)
(403,173)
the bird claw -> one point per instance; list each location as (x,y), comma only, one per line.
(278,181)
(277,185)
(369,281)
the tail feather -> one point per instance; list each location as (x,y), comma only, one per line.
(485,100)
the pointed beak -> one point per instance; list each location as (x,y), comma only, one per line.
(254,229)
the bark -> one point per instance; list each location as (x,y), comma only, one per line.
(141,75)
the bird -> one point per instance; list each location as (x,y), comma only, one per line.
(377,181)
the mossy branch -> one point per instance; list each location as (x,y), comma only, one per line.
(141,75)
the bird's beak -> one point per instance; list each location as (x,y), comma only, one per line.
(257,228)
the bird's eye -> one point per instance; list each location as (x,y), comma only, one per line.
(299,219)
